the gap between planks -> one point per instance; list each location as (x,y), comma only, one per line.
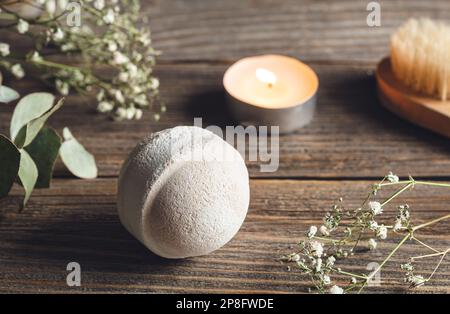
(300,178)
(318,62)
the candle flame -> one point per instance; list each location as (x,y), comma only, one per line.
(266,76)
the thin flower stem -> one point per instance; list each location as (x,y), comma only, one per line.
(430,223)
(397,193)
(55,65)
(424,244)
(396,183)
(446,185)
(415,183)
(389,256)
(363,217)
(384,262)
(350,274)
(430,255)
(406,237)
(438,264)
(68,67)
(328,239)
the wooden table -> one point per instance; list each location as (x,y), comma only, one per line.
(351,143)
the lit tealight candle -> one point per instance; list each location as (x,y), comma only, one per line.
(272,90)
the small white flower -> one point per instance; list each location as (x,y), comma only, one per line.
(408,267)
(373,225)
(141,100)
(392,178)
(123,77)
(326,279)
(372,244)
(78,76)
(317,248)
(68,46)
(130,113)
(132,69)
(324,231)
(136,89)
(62,87)
(112,46)
(35,57)
(154,83)
(375,207)
(50,7)
(58,35)
(145,39)
(336,290)
(318,263)
(17,71)
(4,49)
(22,26)
(119,96)
(104,106)
(331,260)
(62,4)
(295,257)
(109,17)
(312,231)
(100,95)
(121,113)
(353,280)
(398,225)
(138,115)
(99,4)
(416,280)
(382,232)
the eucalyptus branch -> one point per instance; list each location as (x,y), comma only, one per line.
(30,151)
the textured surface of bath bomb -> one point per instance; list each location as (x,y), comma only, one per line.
(183,192)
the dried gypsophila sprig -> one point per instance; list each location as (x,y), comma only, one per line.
(336,240)
(108,37)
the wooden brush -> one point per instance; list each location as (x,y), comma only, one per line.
(415,81)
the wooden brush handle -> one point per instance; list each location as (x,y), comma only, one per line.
(430,113)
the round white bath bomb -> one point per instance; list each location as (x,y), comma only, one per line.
(183,192)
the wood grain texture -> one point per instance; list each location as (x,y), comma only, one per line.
(352,135)
(77,221)
(319,30)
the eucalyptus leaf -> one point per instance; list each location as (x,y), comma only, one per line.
(28,132)
(8,94)
(29,108)
(76,158)
(44,151)
(28,174)
(9,165)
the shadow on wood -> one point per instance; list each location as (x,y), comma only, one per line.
(211,106)
(99,246)
(365,103)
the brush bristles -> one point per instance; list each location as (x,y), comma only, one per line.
(420,56)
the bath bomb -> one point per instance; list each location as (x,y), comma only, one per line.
(183,192)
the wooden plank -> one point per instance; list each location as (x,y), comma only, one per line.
(320,30)
(76,220)
(351,135)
